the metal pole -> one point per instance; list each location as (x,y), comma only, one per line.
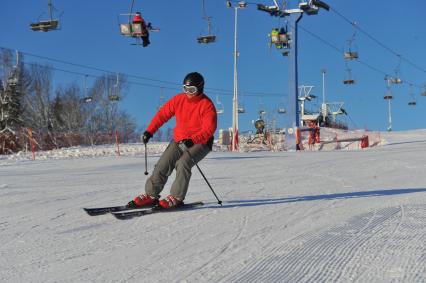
(50,10)
(293,113)
(205,179)
(146,162)
(323,85)
(390,115)
(235,98)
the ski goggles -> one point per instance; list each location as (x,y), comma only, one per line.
(190,89)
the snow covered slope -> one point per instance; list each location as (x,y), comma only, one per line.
(335,216)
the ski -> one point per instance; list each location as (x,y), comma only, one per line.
(122,215)
(95,211)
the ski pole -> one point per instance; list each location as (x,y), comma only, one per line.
(199,169)
(146,162)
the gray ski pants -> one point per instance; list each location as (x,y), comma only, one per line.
(174,158)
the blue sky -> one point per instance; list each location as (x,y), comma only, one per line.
(90,36)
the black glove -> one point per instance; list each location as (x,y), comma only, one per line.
(185,144)
(146,136)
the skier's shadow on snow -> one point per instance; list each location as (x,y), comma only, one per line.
(350,195)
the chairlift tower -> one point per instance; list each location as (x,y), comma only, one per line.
(234,143)
(310,7)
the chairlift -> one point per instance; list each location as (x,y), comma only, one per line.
(13,78)
(281,109)
(86,98)
(219,106)
(115,96)
(135,27)
(388,97)
(46,25)
(280,38)
(351,53)
(424,92)
(261,108)
(397,78)
(209,37)
(349,80)
(241,109)
(412,102)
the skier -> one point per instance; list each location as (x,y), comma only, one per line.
(196,122)
(138,20)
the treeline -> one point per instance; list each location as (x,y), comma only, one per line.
(58,116)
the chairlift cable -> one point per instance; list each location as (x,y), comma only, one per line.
(378,42)
(340,51)
(213,90)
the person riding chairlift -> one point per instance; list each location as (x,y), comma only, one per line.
(144,29)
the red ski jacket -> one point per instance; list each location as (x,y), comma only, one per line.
(196,118)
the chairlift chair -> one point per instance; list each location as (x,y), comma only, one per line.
(412,102)
(219,106)
(261,108)
(349,80)
(350,55)
(388,97)
(134,30)
(209,37)
(396,80)
(205,39)
(87,99)
(46,25)
(423,93)
(280,39)
(13,80)
(241,109)
(114,97)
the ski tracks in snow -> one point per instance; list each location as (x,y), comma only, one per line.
(370,247)
(222,252)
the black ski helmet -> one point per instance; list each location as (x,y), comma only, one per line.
(194,79)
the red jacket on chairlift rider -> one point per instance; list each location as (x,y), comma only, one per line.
(144,30)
